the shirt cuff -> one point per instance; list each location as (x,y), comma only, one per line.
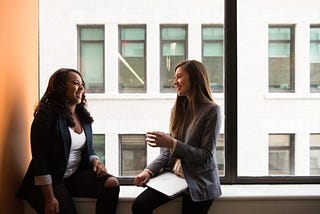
(93,157)
(148,170)
(42,180)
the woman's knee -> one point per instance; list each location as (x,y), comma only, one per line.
(111,182)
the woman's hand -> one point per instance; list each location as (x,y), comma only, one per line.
(142,178)
(99,168)
(51,206)
(159,139)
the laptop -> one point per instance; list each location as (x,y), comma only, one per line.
(168,183)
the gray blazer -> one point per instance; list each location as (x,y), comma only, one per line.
(197,154)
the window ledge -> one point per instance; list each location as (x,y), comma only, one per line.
(241,192)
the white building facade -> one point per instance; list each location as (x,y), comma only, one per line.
(278,127)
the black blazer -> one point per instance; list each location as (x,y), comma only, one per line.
(50,146)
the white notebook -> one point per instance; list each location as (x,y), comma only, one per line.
(168,183)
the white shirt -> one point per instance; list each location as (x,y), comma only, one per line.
(77,144)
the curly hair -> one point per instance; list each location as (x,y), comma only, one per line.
(55,98)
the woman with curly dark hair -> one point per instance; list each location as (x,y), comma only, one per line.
(64,163)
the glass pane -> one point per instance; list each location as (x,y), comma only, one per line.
(127,51)
(221,155)
(91,34)
(99,146)
(279,162)
(92,66)
(315,162)
(279,50)
(279,140)
(279,33)
(133,34)
(132,73)
(213,49)
(133,50)
(173,49)
(315,140)
(315,33)
(133,154)
(212,33)
(173,33)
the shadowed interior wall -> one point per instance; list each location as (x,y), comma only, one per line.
(18,93)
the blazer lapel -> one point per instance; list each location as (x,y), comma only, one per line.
(65,135)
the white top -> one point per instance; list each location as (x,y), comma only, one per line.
(77,144)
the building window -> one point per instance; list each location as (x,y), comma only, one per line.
(315,154)
(132,59)
(221,155)
(133,154)
(99,146)
(281,154)
(315,58)
(212,55)
(91,57)
(173,51)
(281,58)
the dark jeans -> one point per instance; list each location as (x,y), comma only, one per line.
(150,199)
(83,183)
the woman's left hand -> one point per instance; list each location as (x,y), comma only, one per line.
(99,168)
(159,139)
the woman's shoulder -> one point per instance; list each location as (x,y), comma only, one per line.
(210,107)
(46,114)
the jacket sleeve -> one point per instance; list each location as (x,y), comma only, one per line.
(41,135)
(201,139)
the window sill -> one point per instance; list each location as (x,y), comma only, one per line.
(241,192)
(293,96)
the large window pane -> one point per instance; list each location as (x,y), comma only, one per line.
(315,58)
(281,59)
(132,60)
(281,154)
(315,154)
(91,57)
(173,51)
(133,154)
(212,55)
(99,146)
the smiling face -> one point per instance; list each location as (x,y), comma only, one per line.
(75,88)
(182,82)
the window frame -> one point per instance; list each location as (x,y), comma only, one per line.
(132,90)
(129,178)
(79,27)
(290,148)
(292,59)
(313,90)
(214,41)
(231,113)
(186,27)
(313,148)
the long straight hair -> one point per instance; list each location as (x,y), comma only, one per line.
(200,94)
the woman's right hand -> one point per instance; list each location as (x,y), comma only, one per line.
(142,178)
(51,206)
